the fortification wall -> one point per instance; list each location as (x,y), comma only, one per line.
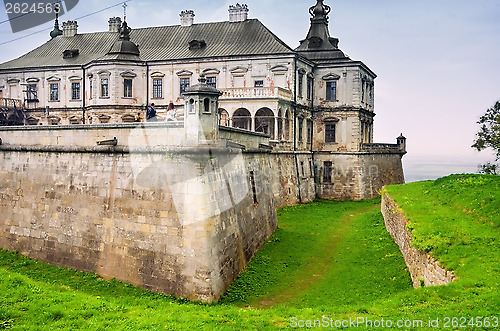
(423,267)
(181,222)
(356,176)
(292,177)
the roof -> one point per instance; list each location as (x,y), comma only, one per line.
(221,39)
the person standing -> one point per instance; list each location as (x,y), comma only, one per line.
(151,113)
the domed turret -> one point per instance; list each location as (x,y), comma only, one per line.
(123,46)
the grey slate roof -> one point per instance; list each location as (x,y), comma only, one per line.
(223,39)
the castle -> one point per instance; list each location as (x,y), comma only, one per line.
(185,203)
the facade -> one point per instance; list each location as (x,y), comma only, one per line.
(314,102)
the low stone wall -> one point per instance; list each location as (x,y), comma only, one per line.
(423,267)
(129,135)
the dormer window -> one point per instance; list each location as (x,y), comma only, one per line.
(70,53)
(197,44)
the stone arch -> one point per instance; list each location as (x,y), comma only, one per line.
(264,121)
(242,119)
(223,117)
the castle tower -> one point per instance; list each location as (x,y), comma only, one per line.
(318,40)
(200,112)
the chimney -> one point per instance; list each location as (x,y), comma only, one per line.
(238,13)
(114,24)
(187,17)
(70,28)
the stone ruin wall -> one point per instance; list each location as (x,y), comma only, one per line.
(423,267)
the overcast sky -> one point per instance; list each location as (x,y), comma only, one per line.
(437,61)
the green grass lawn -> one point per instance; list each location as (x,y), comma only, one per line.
(327,260)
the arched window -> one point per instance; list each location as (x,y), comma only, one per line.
(206,105)
(264,121)
(286,121)
(223,117)
(280,124)
(242,119)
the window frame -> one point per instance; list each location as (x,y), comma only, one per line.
(301,85)
(79,96)
(32,92)
(329,91)
(330,135)
(327,171)
(300,130)
(102,94)
(258,83)
(212,81)
(310,83)
(52,91)
(157,88)
(183,85)
(128,86)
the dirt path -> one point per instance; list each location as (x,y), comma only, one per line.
(313,270)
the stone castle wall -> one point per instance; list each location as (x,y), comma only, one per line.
(357,176)
(423,267)
(182,223)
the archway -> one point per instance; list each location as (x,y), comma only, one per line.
(223,117)
(264,121)
(242,119)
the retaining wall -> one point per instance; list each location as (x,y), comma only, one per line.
(423,267)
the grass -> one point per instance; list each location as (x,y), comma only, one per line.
(327,260)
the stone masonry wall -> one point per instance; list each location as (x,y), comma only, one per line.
(182,224)
(357,176)
(423,267)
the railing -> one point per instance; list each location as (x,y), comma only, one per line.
(256,93)
(379,147)
(11,103)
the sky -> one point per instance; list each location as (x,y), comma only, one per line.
(437,61)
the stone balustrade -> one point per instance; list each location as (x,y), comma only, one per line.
(256,92)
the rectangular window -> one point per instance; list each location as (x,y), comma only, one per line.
(301,124)
(31,92)
(309,88)
(301,84)
(330,133)
(331,91)
(157,88)
(184,84)
(327,171)
(75,91)
(212,81)
(91,88)
(54,91)
(259,83)
(127,88)
(309,131)
(104,87)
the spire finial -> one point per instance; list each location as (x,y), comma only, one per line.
(125,31)
(320,11)
(56,32)
(124,11)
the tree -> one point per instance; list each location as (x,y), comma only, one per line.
(489,136)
